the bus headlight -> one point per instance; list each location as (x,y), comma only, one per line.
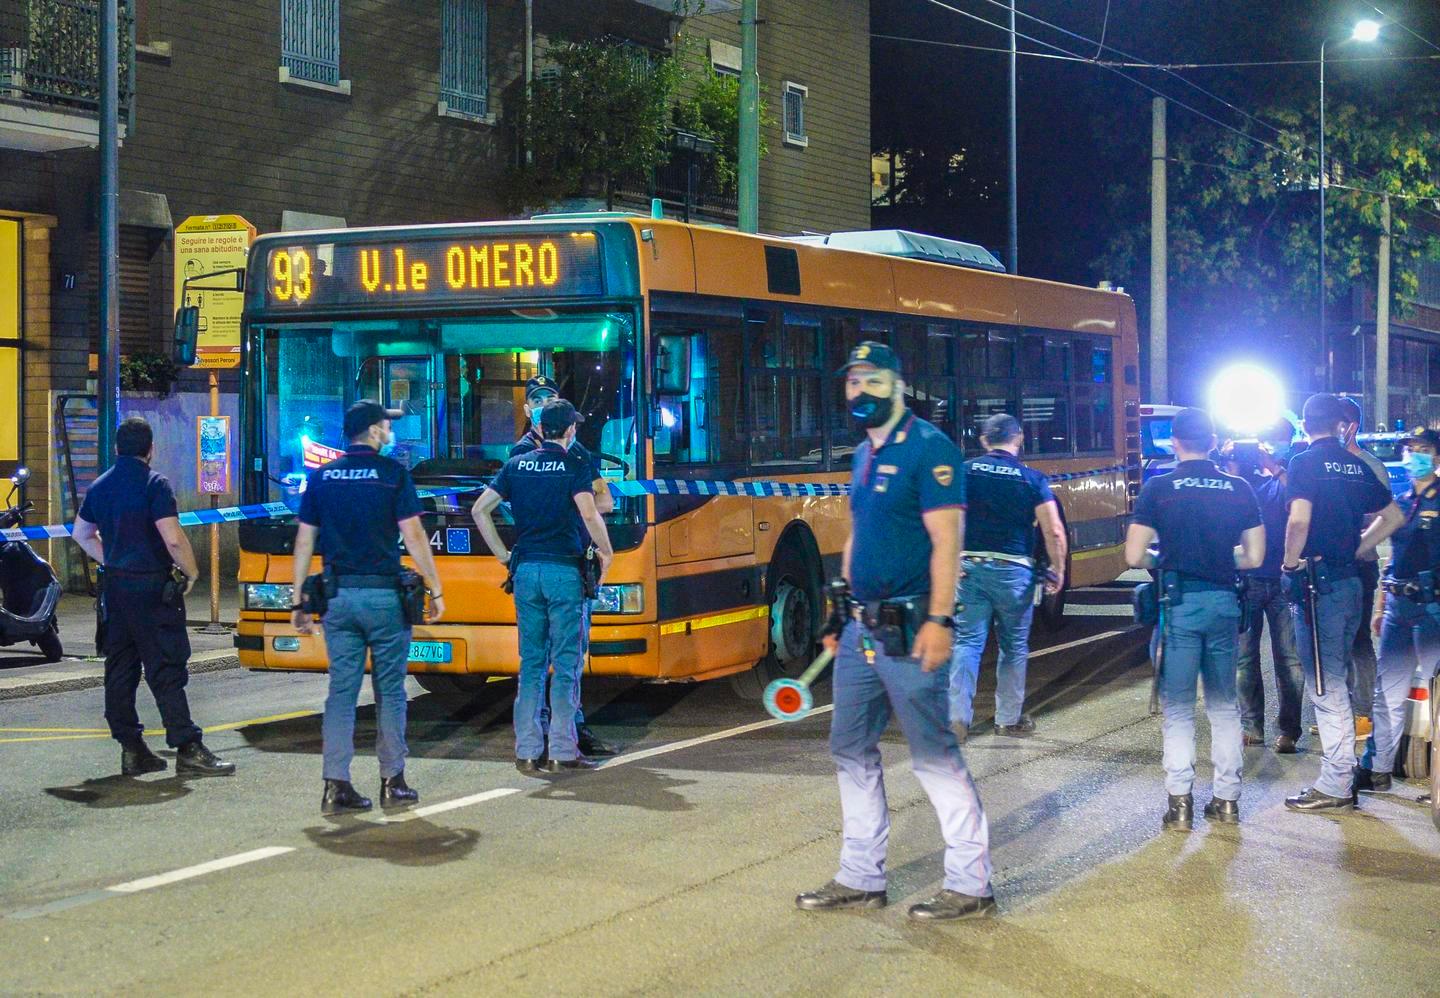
(627,597)
(269,595)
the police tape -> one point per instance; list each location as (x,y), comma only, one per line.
(645,487)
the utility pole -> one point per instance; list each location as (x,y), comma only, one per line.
(107,402)
(1159,292)
(1013,257)
(1382,321)
(749,166)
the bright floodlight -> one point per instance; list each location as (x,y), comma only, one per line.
(1246,400)
(1366,31)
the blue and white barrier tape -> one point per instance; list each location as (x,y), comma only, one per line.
(650,487)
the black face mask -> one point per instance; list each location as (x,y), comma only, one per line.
(869,411)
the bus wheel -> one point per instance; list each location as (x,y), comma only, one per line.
(461,688)
(794,624)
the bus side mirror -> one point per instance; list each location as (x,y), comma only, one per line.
(672,365)
(187,331)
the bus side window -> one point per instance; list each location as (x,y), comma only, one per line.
(701,422)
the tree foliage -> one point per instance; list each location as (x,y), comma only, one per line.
(1243,222)
(710,107)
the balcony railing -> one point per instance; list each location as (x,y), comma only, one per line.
(50,54)
(708,201)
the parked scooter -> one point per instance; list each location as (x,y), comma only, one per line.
(28,584)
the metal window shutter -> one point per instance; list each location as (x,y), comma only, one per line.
(136,334)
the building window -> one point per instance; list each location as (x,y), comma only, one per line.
(310,40)
(795,97)
(464,80)
(725,59)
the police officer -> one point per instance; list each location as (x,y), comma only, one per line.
(997,575)
(538,391)
(1208,526)
(1266,604)
(1360,662)
(907,506)
(1330,493)
(129,524)
(553,502)
(1408,619)
(353,510)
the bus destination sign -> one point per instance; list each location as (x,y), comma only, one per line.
(432,270)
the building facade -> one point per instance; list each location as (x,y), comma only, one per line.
(300,113)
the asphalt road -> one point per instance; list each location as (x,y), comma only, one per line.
(673,869)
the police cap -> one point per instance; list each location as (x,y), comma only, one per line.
(1323,410)
(557,416)
(540,383)
(365,414)
(1428,437)
(872,353)
(1192,426)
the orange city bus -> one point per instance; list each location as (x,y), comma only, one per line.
(695,353)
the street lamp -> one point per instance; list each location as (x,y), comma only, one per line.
(1364,31)
(693,146)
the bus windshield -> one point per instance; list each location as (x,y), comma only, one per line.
(459,381)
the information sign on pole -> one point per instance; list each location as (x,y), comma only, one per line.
(208,244)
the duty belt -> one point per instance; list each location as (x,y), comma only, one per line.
(1408,588)
(998,556)
(367,582)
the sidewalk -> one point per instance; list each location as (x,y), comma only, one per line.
(22,674)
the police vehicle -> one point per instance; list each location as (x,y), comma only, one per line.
(1386,446)
(1157,449)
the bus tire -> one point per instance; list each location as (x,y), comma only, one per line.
(464,689)
(1416,755)
(796,615)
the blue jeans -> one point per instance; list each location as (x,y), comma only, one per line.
(1409,637)
(1339,613)
(1269,609)
(548,601)
(1005,591)
(584,655)
(359,620)
(1200,646)
(865,694)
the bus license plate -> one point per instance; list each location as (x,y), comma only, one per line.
(429,651)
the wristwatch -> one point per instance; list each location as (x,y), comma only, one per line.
(941,619)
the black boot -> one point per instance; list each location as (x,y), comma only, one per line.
(136,758)
(1224,811)
(949,905)
(590,744)
(1366,779)
(1022,728)
(340,797)
(835,895)
(1313,800)
(1180,816)
(197,760)
(395,792)
(1426,799)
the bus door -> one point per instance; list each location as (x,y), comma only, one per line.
(407,384)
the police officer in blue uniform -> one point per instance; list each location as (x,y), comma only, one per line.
(901,560)
(353,511)
(129,524)
(1208,527)
(1266,604)
(1005,500)
(538,391)
(1408,618)
(1331,491)
(553,502)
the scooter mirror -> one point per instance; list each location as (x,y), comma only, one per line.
(21,476)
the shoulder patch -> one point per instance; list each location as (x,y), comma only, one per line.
(944,474)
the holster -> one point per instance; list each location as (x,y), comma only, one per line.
(590,572)
(317,591)
(895,622)
(172,592)
(1171,592)
(102,612)
(412,596)
(837,595)
(1145,604)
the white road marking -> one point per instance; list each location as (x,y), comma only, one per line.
(449,805)
(199,870)
(1098,610)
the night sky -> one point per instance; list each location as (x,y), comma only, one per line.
(1080,127)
